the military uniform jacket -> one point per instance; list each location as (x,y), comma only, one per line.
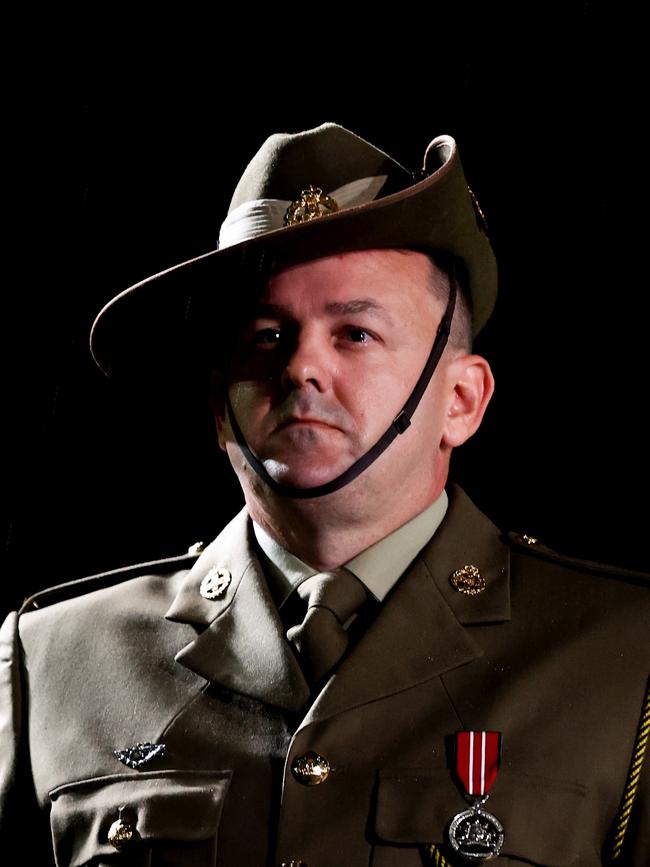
(553,654)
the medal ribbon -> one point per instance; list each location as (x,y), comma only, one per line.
(477,760)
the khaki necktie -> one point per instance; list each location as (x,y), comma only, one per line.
(331,599)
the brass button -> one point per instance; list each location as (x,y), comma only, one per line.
(524,538)
(122,831)
(294,863)
(310,769)
(468,580)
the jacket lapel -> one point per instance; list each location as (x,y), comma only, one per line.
(419,632)
(242,645)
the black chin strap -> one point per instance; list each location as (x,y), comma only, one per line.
(401,422)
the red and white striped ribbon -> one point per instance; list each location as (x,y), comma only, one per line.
(477,760)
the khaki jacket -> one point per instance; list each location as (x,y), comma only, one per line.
(554,654)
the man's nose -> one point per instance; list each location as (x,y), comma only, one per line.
(308,362)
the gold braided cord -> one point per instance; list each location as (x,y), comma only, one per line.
(433,855)
(633,777)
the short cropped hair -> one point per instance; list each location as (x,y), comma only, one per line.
(460,337)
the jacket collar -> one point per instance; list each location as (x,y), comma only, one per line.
(242,645)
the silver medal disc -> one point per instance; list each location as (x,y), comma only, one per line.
(476,834)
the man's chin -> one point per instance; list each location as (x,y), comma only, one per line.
(307,475)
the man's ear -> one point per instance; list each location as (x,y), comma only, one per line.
(472,386)
(217,400)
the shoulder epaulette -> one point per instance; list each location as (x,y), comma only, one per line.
(533,546)
(106,579)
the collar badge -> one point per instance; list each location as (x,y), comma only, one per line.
(468,580)
(215,583)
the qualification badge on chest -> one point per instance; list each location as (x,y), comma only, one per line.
(476,834)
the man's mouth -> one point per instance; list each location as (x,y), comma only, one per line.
(297,420)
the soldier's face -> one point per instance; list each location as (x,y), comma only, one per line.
(326,362)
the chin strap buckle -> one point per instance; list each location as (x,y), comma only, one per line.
(402,422)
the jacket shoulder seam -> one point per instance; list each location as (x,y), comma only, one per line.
(98,581)
(534,548)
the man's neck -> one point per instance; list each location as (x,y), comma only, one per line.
(378,567)
(325,537)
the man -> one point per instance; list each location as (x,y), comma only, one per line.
(360,658)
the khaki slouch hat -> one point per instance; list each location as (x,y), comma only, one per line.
(303,195)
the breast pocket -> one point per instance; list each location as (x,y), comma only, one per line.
(544,820)
(164,818)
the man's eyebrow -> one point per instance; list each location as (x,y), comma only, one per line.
(357,305)
(334,308)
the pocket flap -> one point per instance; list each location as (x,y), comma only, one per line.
(542,818)
(163,806)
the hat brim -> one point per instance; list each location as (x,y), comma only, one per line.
(158,323)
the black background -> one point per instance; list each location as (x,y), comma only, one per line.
(123,160)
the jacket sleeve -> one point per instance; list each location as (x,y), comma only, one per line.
(18,803)
(10,717)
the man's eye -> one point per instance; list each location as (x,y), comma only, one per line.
(358,335)
(267,336)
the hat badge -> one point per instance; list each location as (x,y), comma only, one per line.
(312,203)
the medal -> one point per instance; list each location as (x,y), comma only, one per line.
(476,834)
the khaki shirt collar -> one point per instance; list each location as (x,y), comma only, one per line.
(378,567)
